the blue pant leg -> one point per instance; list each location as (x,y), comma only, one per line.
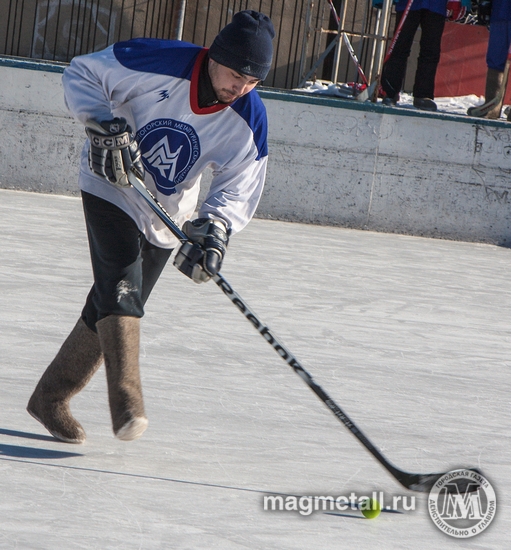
(498,45)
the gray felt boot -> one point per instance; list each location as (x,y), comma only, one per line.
(120,342)
(74,365)
(496,83)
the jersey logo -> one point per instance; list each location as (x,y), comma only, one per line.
(161,158)
(169,150)
(164,94)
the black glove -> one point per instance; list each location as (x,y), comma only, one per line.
(484,12)
(113,150)
(201,257)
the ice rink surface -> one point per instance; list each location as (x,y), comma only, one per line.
(410,336)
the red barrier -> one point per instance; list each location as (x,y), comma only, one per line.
(462,67)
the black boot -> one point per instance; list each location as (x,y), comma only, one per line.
(424,103)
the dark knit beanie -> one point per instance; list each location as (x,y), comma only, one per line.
(245,45)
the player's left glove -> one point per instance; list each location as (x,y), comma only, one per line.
(201,257)
(113,150)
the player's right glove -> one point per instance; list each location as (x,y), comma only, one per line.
(113,150)
(201,257)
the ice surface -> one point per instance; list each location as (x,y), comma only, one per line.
(410,336)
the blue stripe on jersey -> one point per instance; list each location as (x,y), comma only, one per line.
(252,111)
(152,55)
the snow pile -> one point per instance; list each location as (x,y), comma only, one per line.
(450,105)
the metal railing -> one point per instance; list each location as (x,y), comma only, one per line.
(58,30)
(356,40)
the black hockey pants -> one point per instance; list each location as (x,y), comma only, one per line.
(125,265)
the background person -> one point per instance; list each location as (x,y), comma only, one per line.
(497,54)
(430,16)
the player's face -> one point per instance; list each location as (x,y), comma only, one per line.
(228,84)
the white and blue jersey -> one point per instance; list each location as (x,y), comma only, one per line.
(153,84)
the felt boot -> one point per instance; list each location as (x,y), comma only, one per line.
(119,336)
(74,365)
(496,83)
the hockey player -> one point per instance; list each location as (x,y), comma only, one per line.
(168,109)
(497,56)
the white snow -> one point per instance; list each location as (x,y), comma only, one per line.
(451,105)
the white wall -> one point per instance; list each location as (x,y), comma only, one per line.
(394,170)
(332,161)
(40,143)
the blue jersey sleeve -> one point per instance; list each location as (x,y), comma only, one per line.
(156,56)
(251,109)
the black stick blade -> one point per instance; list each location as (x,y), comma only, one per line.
(423,483)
